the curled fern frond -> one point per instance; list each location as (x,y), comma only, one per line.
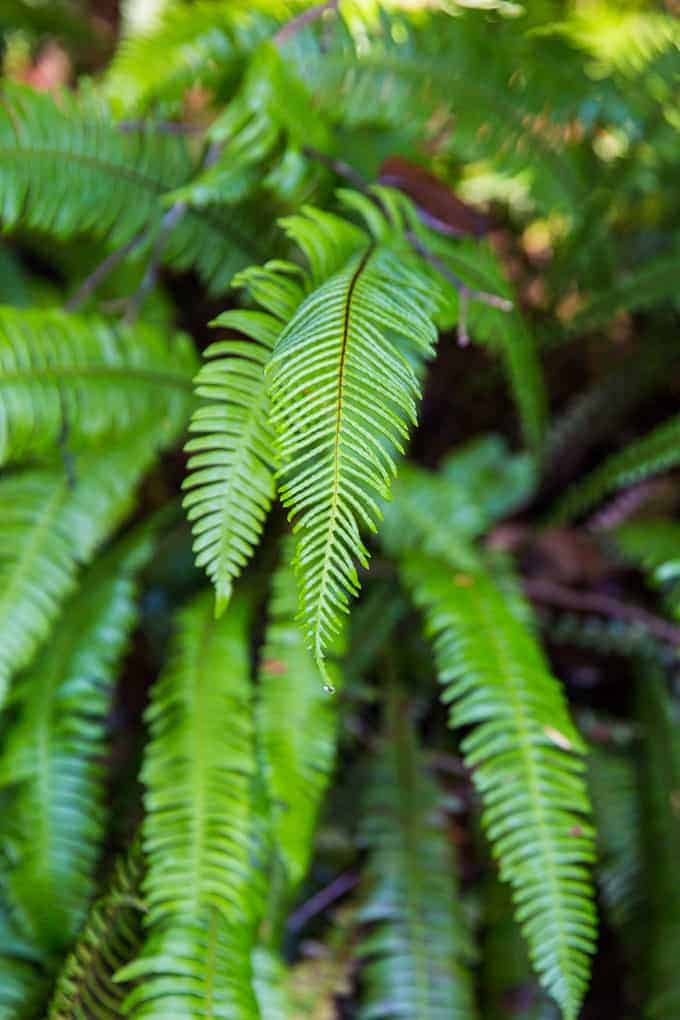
(112,935)
(201,886)
(344,396)
(53,817)
(416,948)
(63,377)
(527,765)
(296,726)
(656,452)
(51,526)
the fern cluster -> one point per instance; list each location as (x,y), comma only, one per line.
(297,743)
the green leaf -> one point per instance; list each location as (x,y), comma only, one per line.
(527,765)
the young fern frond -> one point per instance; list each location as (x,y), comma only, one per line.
(53,818)
(296,725)
(344,396)
(417,948)
(660,774)
(202,886)
(66,170)
(527,765)
(65,378)
(656,452)
(112,935)
(52,526)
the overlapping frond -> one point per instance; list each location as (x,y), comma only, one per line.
(75,380)
(67,170)
(85,989)
(344,396)
(527,762)
(231,465)
(296,726)
(656,452)
(417,947)
(52,526)
(51,771)
(201,887)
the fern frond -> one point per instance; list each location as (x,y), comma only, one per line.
(527,762)
(85,988)
(660,775)
(656,452)
(23,980)
(66,170)
(53,817)
(269,980)
(201,886)
(417,948)
(296,725)
(651,283)
(231,464)
(50,528)
(607,637)
(85,379)
(343,397)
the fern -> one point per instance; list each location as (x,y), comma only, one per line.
(85,989)
(654,453)
(50,528)
(53,819)
(198,832)
(335,441)
(661,773)
(654,544)
(67,379)
(416,947)
(495,677)
(67,171)
(296,725)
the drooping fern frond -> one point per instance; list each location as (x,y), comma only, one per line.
(231,465)
(344,396)
(51,526)
(201,886)
(656,452)
(67,170)
(660,773)
(80,379)
(112,935)
(416,948)
(527,765)
(296,726)
(53,818)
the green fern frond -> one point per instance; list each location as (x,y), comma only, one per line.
(269,980)
(201,886)
(344,396)
(53,817)
(417,947)
(52,526)
(66,170)
(23,980)
(112,935)
(66,378)
(656,452)
(607,637)
(660,775)
(527,762)
(654,282)
(231,465)
(296,725)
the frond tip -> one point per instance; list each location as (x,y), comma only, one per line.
(528,765)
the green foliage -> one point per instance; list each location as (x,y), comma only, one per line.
(654,545)
(198,832)
(416,942)
(655,452)
(495,677)
(66,379)
(86,989)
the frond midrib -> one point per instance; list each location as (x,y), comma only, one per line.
(336,453)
